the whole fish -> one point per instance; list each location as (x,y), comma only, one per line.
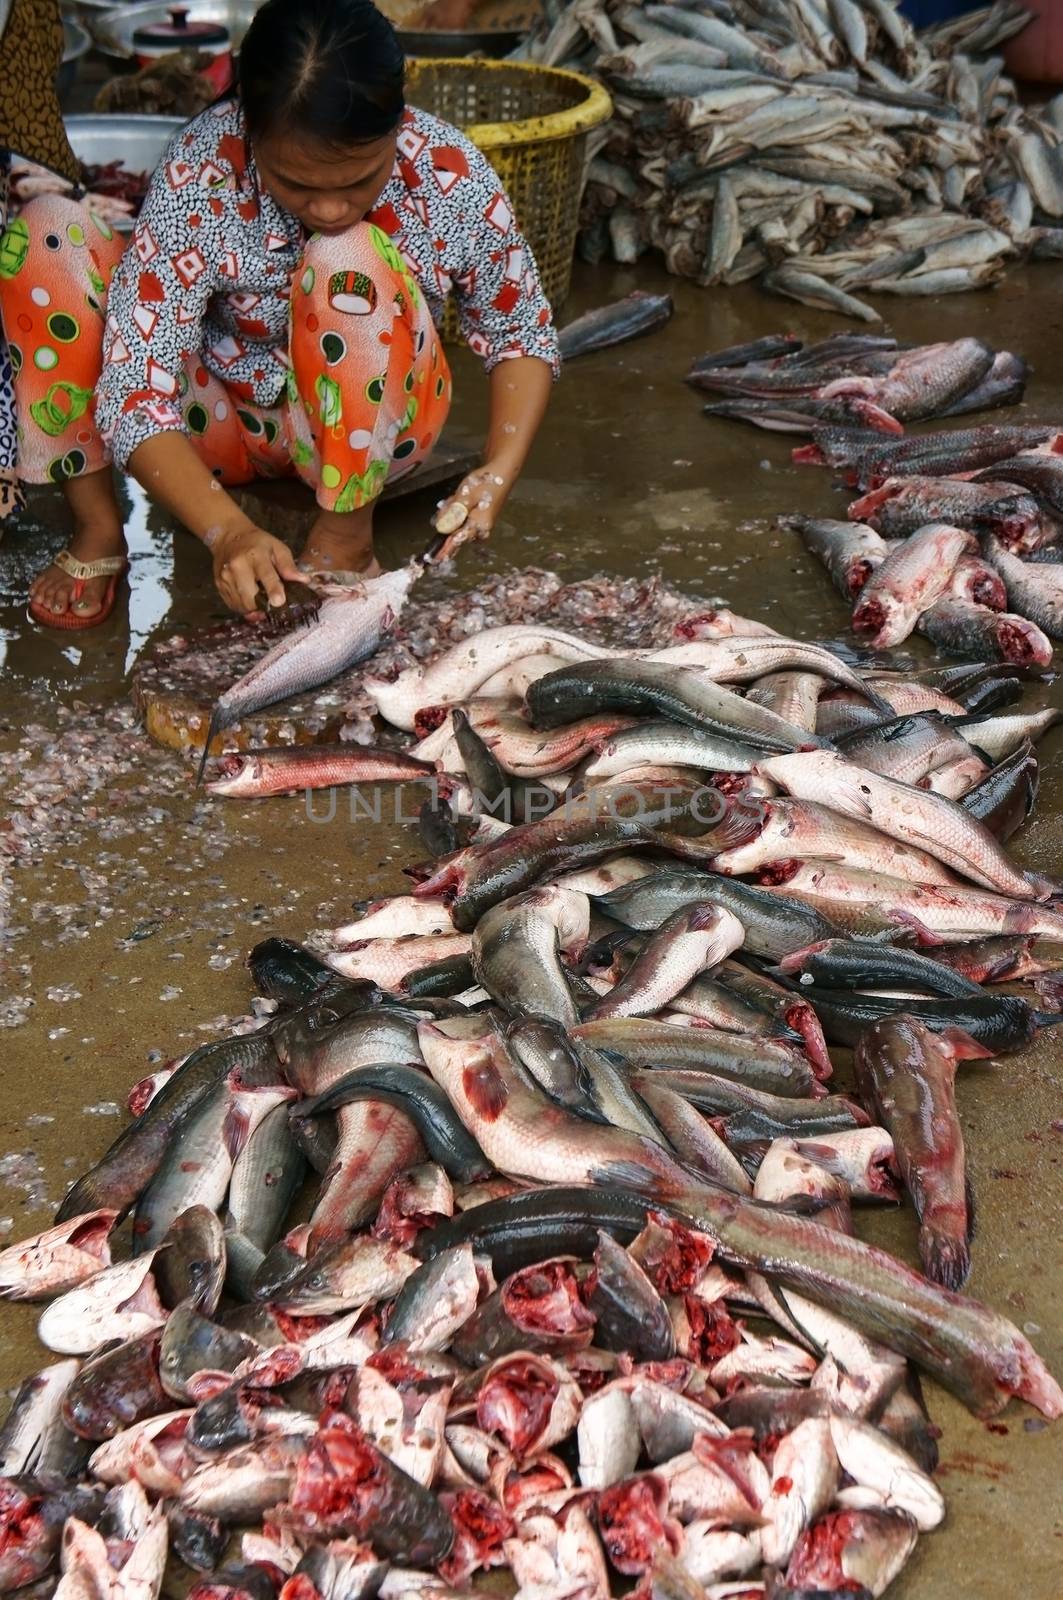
(772,927)
(978,1025)
(523,1134)
(928,821)
(690,940)
(914,574)
(1035,589)
(799,830)
(904,505)
(515,951)
(867,964)
(253,774)
(646,1041)
(741,660)
(850,551)
(656,687)
(637,313)
(667,744)
(908,1074)
(745,1115)
(955,913)
(348,628)
(964,628)
(455,675)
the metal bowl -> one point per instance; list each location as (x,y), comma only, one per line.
(139,142)
(76,43)
(113,30)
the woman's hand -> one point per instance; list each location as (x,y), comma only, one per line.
(477,501)
(247,559)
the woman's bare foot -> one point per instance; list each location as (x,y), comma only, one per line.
(97,532)
(341,542)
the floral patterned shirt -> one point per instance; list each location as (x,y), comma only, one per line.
(212,258)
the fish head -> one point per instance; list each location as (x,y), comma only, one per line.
(236,773)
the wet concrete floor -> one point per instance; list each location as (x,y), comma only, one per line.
(127,929)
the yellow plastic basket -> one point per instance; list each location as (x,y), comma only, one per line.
(532,124)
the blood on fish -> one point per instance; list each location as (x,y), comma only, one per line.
(817,1560)
(546,1299)
(485,1090)
(677,1257)
(428,719)
(713,1331)
(523,1486)
(634,1524)
(480,1526)
(515,1402)
(779,871)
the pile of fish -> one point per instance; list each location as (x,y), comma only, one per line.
(956,532)
(824,148)
(521,1233)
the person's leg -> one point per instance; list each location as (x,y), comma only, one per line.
(56,263)
(369,387)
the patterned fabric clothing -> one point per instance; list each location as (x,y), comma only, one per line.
(366,383)
(214,258)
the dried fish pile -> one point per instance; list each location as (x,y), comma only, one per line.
(521,1234)
(957,533)
(823,148)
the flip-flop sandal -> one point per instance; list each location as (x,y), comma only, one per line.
(111,567)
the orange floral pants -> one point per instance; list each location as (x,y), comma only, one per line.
(368,387)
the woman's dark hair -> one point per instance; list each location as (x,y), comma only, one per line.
(329,69)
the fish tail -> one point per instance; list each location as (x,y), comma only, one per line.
(1047,1019)
(945,1257)
(963,1045)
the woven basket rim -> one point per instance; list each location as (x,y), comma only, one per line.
(596,107)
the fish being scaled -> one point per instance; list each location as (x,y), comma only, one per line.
(350,623)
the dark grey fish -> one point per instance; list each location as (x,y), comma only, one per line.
(636,314)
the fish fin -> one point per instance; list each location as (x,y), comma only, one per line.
(946,1259)
(740,826)
(923,935)
(1049,987)
(808,455)
(963,1045)
(1044,888)
(1047,1019)
(622,1175)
